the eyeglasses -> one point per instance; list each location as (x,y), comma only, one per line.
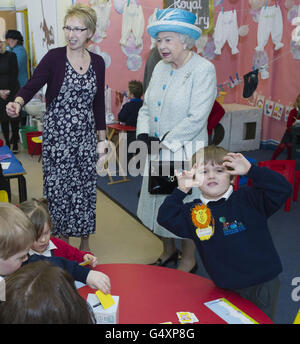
(77,30)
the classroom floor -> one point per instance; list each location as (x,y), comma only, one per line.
(119,238)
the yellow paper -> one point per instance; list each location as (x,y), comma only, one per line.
(297,319)
(87,262)
(105,299)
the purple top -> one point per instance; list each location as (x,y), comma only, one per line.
(51,71)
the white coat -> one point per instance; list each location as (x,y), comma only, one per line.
(177,101)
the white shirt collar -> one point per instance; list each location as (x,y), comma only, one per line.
(46,253)
(225,195)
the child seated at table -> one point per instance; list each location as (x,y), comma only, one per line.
(17,235)
(229,228)
(129,112)
(45,244)
(42,293)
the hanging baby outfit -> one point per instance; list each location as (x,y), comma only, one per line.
(226,30)
(103,10)
(270,22)
(133,21)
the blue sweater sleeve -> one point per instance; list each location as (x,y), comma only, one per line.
(270,189)
(78,272)
(171,215)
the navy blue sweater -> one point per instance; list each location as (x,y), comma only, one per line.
(240,253)
(129,111)
(78,272)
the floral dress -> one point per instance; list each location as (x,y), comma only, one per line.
(69,155)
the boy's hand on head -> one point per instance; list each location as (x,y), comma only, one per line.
(98,280)
(236,164)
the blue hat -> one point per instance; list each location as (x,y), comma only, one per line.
(174,20)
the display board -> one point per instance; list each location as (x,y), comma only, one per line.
(203,9)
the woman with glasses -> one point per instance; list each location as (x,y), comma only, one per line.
(73,123)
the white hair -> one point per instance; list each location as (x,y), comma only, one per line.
(188,40)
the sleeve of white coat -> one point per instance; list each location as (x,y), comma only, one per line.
(203,95)
(142,125)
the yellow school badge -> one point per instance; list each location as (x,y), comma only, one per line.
(203,221)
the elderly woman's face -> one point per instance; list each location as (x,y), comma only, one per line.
(171,49)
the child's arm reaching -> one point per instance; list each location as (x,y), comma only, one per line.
(236,164)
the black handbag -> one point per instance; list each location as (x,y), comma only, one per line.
(162,179)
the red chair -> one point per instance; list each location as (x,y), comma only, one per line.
(296,186)
(285,167)
(236,183)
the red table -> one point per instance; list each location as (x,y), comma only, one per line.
(151,295)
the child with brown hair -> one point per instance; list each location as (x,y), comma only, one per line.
(45,244)
(130,110)
(42,293)
(230,229)
(17,235)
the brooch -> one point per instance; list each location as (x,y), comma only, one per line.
(186,76)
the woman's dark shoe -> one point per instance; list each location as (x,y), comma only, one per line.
(173,258)
(194,269)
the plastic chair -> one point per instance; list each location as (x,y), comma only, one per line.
(3,196)
(236,183)
(37,141)
(285,167)
(296,186)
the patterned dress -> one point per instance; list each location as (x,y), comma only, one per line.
(69,155)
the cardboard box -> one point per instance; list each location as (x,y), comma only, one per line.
(104,316)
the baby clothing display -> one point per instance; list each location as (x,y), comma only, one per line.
(226,30)
(270,22)
(133,21)
(103,10)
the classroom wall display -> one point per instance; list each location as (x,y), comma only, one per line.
(42,20)
(125,62)
(203,9)
(278,111)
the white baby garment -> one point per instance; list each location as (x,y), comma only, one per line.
(133,21)
(226,30)
(270,22)
(103,14)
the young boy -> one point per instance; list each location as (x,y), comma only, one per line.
(17,235)
(130,110)
(229,228)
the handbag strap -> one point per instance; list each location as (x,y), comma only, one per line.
(164,136)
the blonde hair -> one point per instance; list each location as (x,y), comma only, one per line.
(85,13)
(37,211)
(213,154)
(16,231)
(297,102)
